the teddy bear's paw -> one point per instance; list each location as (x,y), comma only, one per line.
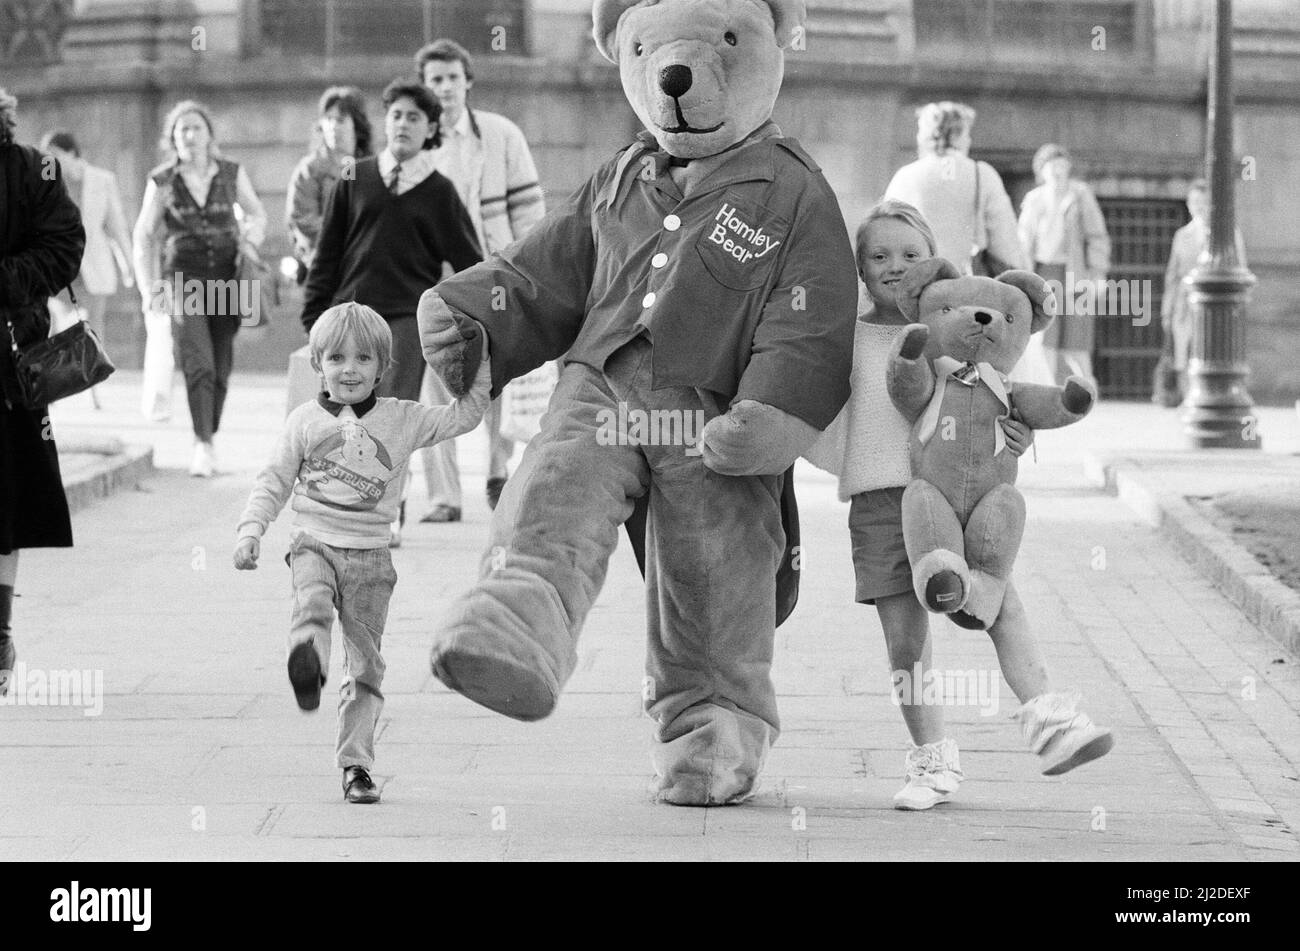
(943,591)
(1079,395)
(942,581)
(915,337)
(968,621)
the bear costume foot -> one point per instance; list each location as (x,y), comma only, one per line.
(493,646)
(942,581)
(715,761)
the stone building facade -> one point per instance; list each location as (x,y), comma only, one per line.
(1121,83)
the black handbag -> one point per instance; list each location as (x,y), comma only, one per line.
(983,262)
(68,363)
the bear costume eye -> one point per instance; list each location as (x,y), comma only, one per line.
(1011,318)
(730,38)
(638,49)
(946,309)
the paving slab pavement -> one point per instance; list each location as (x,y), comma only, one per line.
(201,754)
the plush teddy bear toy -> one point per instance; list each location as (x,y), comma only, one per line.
(705,272)
(962,515)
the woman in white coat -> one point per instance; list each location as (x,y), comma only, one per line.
(964,200)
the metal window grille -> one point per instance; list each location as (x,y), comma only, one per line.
(1141,233)
(382,27)
(31,31)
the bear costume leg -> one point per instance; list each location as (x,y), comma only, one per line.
(714,543)
(509,642)
(933,538)
(713,546)
(993,533)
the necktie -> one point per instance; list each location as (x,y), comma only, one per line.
(967,374)
(392,178)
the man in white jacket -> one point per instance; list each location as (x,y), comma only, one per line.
(487,158)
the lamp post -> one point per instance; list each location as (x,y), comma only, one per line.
(1218,412)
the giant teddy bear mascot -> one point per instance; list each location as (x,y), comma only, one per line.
(703,272)
(962,515)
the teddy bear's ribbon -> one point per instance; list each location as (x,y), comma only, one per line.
(967,374)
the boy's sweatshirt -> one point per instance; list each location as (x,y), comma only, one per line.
(343,464)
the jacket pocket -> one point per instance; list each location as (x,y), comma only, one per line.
(741,243)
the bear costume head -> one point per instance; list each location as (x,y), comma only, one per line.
(975,319)
(700,76)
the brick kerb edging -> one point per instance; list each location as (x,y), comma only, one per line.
(1267,602)
(125,469)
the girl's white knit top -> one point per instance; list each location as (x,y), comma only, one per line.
(868,443)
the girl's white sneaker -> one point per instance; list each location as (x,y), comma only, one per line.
(1062,737)
(933,775)
(201,464)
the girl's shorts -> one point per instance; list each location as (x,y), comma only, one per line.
(876,534)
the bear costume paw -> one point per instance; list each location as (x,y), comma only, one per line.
(1079,395)
(453,344)
(753,438)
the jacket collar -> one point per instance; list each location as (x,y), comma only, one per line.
(327,404)
(753,161)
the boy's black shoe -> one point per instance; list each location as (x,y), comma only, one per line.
(358,787)
(305,675)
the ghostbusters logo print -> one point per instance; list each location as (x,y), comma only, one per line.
(348,470)
(740,241)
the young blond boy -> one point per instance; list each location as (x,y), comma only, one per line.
(342,457)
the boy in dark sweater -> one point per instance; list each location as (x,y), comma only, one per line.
(390,223)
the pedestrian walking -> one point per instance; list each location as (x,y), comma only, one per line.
(1176,324)
(41,243)
(1063,234)
(344,138)
(190,207)
(964,200)
(342,458)
(868,447)
(487,157)
(386,233)
(108,239)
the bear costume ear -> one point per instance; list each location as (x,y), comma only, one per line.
(605,15)
(1041,297)
(918,277)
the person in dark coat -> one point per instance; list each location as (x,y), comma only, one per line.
(41,243)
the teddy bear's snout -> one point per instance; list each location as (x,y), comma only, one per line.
(983,318)
(675,80)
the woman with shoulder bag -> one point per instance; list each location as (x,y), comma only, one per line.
(41,243)
(190,203)
(964,200)
(1064,234)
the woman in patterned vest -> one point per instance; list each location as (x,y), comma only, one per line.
(187,246)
